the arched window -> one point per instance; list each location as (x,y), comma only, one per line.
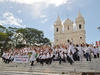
(57,30)
(68,40)
(68,27)
(80,37)
(80,27)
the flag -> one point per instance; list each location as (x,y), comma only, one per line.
(30,53)
(36,55)
(99,43)
(96,43)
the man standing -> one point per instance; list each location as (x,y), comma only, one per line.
(97,48)
(33,57)
(80,52)
(88,51)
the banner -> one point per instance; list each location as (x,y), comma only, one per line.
(21,59)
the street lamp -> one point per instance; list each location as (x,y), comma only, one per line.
(98,28)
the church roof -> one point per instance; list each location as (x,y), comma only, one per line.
(58,18)
(79,18)
(68,21)
(79,14)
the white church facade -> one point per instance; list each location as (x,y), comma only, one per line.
(78,34)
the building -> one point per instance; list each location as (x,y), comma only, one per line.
(78,35)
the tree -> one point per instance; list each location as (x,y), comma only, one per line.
(39,37)
(3,36)
(2,29)
(8,33)
(46,41)
(30,36)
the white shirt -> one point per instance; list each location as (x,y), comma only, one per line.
(42,56)
(95,51)
(64,50)
(56,56)
(33,56)
(63,55)
(12,57)
(88,50)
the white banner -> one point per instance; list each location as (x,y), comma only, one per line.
(21,59)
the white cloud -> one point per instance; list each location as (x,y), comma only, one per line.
(68,2)
(47,2)
(44,20)
(54,12)
(37,10)
(19,11)
(9,19)
(63,22)
(74,27)
(37,6)
(1,0)
(11,7)
(42,16)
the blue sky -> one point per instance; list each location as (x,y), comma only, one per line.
(41,14)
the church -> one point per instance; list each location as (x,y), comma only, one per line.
(60,35)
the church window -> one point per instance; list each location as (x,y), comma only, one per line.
(57,39)
(80,37)
(80,27)
(57,30)
(68,27)
(68,40)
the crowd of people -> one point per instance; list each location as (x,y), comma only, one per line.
(47,54)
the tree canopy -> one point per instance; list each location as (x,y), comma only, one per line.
(29,36)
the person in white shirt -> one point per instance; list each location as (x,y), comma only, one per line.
(42,59)
(7,59)
(3,56)
(63,57)
(95,52)
(46,58)
(71,49)
(88,53)
(80,52)
(33,57)
(11,57)
(75,55)
(97,48)
(56,56)
(69,58)
(50,57)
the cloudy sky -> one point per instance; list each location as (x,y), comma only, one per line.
(41,14)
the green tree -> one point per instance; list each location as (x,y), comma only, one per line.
(30,35)
(8,34)
(3,36)
(46,41)
(9,37)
